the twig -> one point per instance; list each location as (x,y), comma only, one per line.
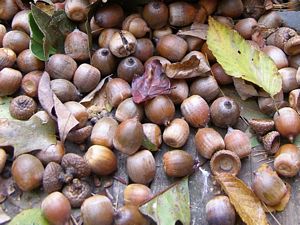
(271,214)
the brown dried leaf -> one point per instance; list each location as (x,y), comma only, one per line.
(45,7)
(55,108)
(27,136)
(284,201)
(193,67)
(245,90)
(152,83)
(245,202)
(4,217)
(92,94)
(198,30)
(6,188)
(98,104)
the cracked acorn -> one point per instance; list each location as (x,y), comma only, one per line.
(123,48)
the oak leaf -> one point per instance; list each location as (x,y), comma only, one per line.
(245,202)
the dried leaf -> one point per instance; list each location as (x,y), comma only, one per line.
(284,201)
(92,94)
(152,83)
(172,205)
(29,217)
(244,90)
(193,67)
(245,202)
(239,59)
(3,217)
(4,107)
(55,108)
(6,188)
(91,11)
(27,136)
(45,7)
(197,30)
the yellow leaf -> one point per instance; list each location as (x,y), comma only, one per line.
(243,199)
(284,201)
(240,59)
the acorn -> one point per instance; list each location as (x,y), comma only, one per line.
(195,111)
(287,123)
(160,110)
(287,160)
(176,133)
(101,160)
(141,167)
(208,141)
(156,14)
(128,136)
(219,211)
(104,131)
(56,208)
(224,112)
(238,142)
(178,163)
(136,194)
(268,186)
(153,133)
(129,215)
(27,171)
(102,214)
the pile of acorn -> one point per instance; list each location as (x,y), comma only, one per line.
(149,33)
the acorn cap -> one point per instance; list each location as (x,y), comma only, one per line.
(262,126)
(225,161)
(271,142)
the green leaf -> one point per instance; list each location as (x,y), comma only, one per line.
(35,33)
(240,59)
(27,136)
(39,45)
(30,217)
(148,144)
(62,22)
(171,205)
(53,27)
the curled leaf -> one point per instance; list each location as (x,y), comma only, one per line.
(152,83)
(170,206)
(245,202)
(92,94)
(193,67)
(197,30)
(245,90)
(55,108)
(239,59)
